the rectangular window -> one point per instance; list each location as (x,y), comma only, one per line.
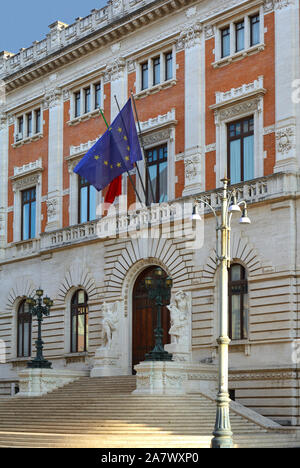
(87,100)
(241,150)
(28,214)
(77,97)
(225,38)
(29,124)
(238,302)
(87,201)
(156,71)
(240,36)
(20,129)
(169,66)
(145,80)
(38,121)
(254,30)
(157,160)
(97,95)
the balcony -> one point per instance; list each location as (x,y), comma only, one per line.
(112,226)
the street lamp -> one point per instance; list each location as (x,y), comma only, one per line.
(37,309)
(159,289)
(222,431)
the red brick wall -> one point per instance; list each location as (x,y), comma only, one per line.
(25,154)
(234,75)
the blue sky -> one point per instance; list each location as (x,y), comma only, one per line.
(22,22)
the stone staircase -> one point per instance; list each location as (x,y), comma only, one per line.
(102,413)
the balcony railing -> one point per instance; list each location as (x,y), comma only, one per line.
(112,226)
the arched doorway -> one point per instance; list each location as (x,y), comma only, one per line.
(144,319)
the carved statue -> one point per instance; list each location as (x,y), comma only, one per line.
(180,318)
(110,323)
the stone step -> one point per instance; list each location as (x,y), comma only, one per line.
(103,413)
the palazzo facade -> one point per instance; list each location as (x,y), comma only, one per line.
(216,84)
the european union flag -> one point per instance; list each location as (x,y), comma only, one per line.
(114,153)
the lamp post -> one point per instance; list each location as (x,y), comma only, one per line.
(222,431)
(159,289)
(39,310)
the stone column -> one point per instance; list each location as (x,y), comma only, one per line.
(3,179)
(192,41)
(287,74)
(54,102)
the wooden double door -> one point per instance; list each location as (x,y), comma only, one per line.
(145,320)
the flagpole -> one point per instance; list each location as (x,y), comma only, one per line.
(136,165)
(143,148)
(130,178)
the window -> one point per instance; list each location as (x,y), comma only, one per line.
(77,104)
(29,124)
(254,30)
(28,214)
(87,100)
(238,303)
(156,71)
(24,330)
(20,128)
(157,160)
(87,201)
(169,66)
(79,322)
(145,81)
(38,121)
(225,36)
(241,150)
(240,36)
(97,95)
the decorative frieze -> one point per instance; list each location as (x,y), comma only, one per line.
(238,110)
(157,137)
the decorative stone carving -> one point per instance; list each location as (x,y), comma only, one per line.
(270,5)
(38,382)
(110,324)
(210,31)
(156,137)
(52,209)
(180,330)
(114,70)
(161,378)
(192,167)
(190,36)
(108,357)
(26,182)
(52,98)
(285,140)
(238,109)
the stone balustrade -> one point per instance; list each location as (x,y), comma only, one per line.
(130,223)
(62,35)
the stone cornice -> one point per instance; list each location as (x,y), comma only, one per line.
(20,69)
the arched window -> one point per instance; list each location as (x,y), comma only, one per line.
(238,303)
(79,322)
(24,330)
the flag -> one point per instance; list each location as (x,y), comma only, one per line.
(114,190)
(114,153)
